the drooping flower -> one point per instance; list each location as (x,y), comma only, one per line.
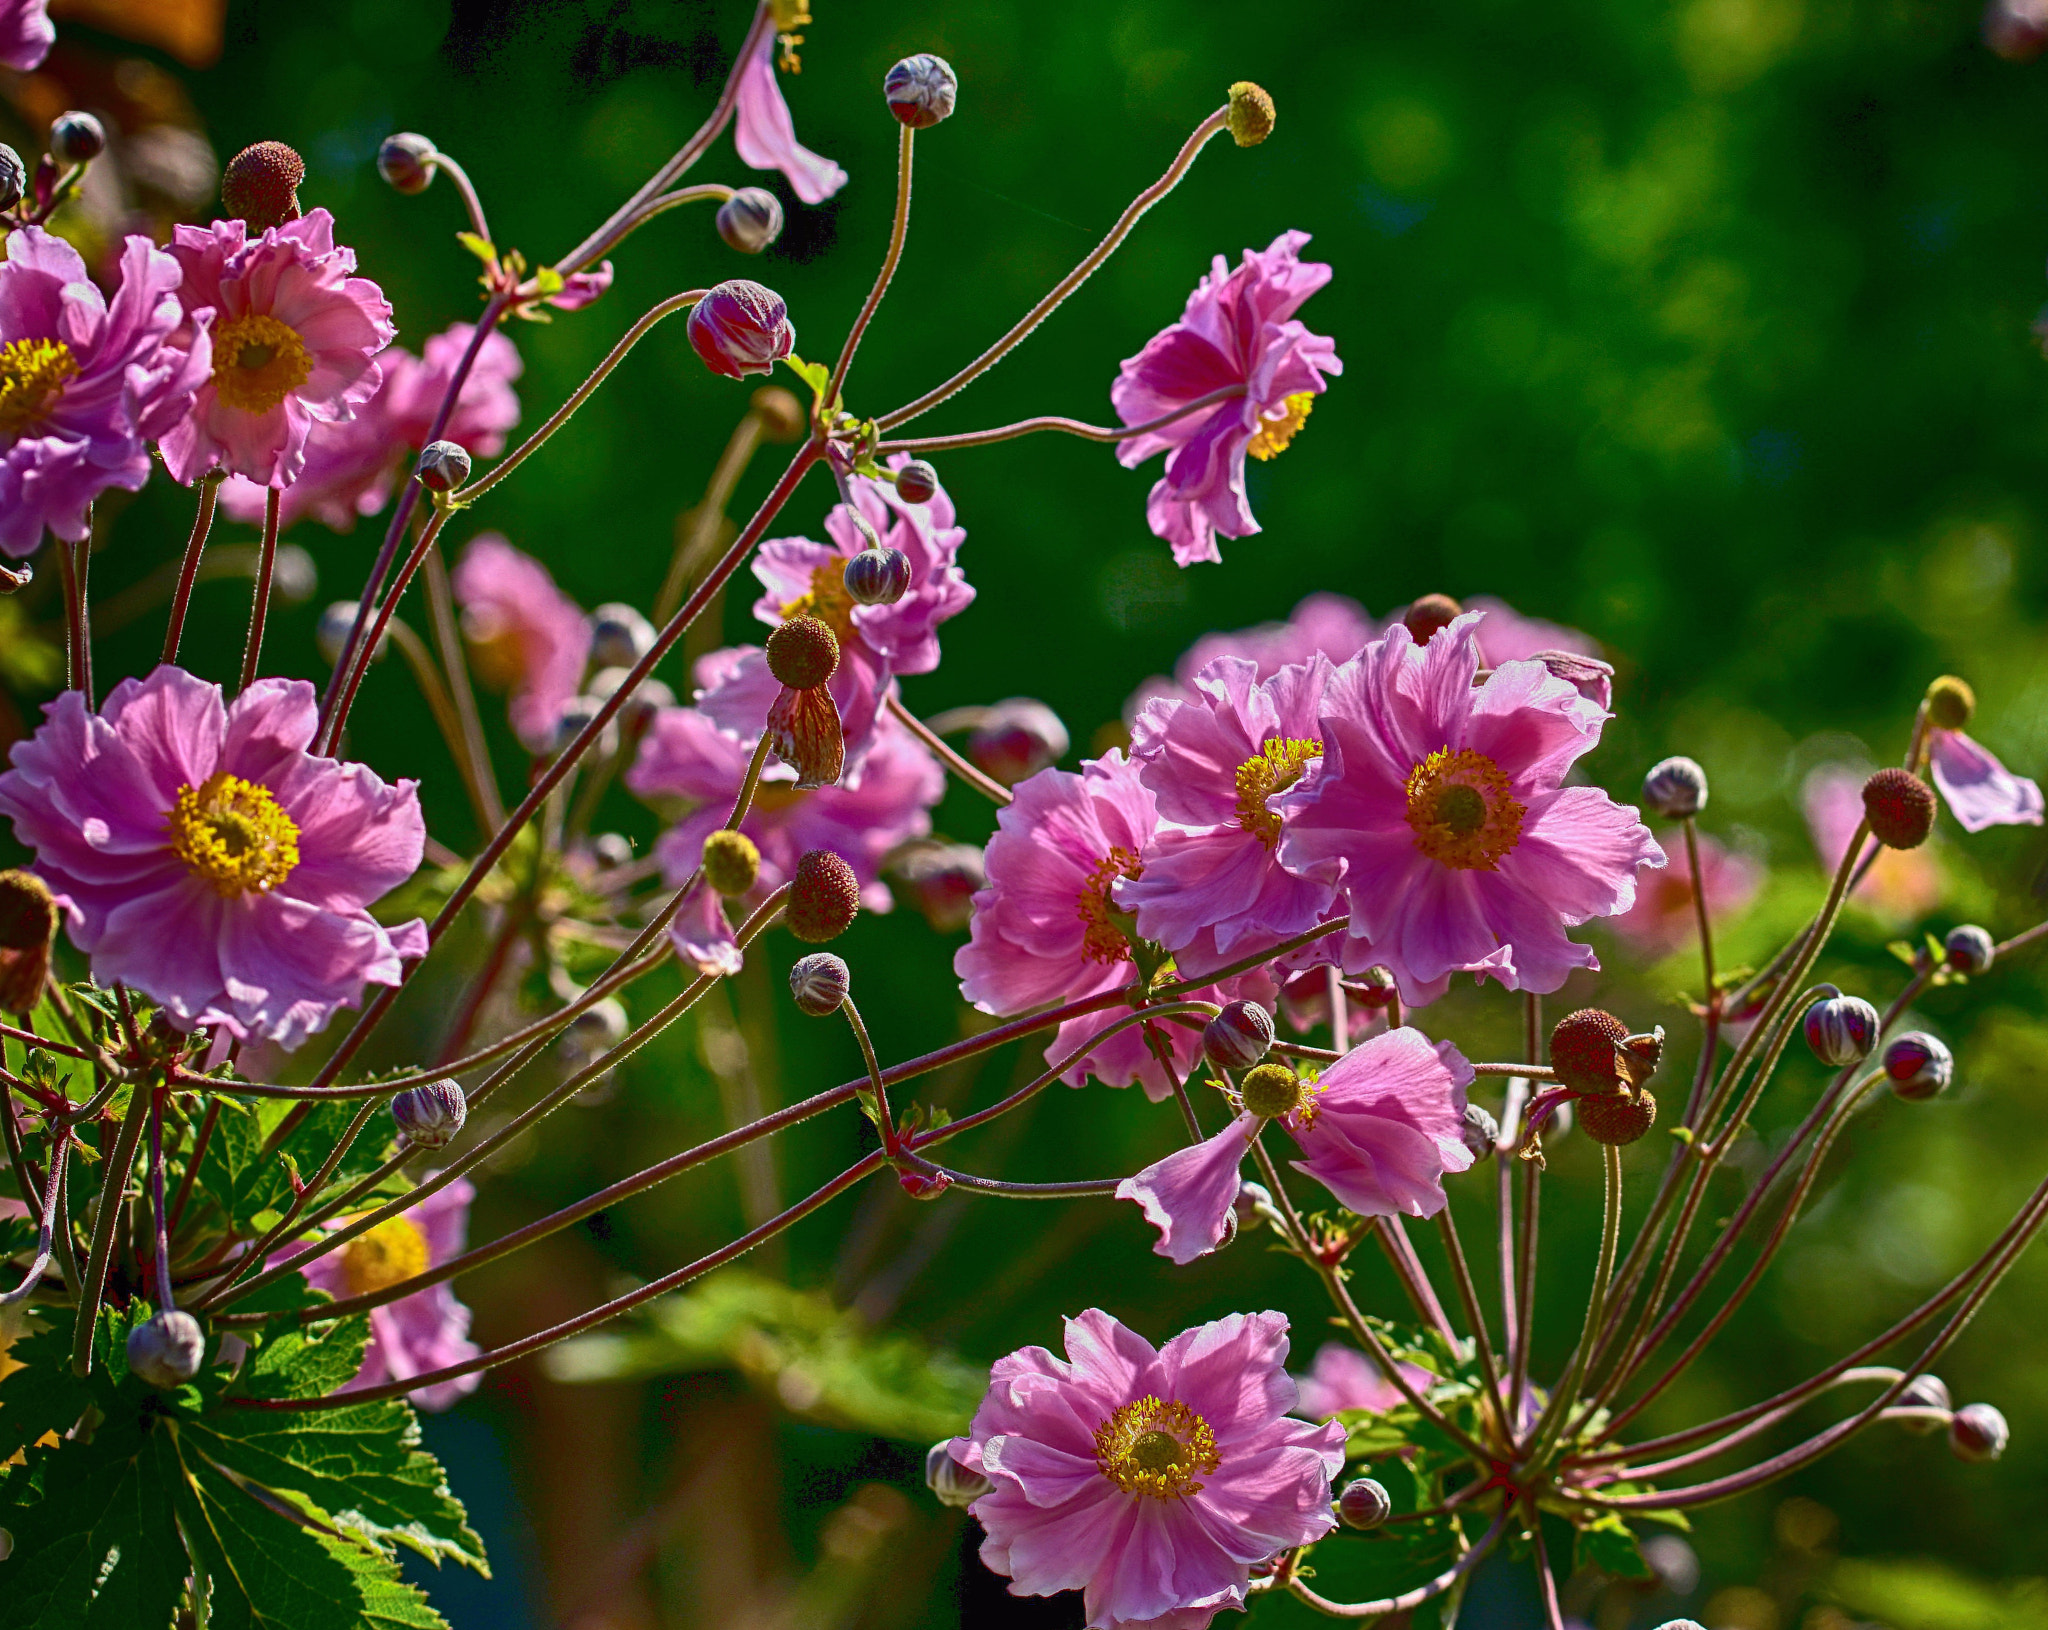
(1188,1196)
(1664,917)
(765,135)
(1978,790)
(26,34)
(295,334)
(420,1333)
(1902,885)
(212,862)
(1152,1481)
(1344,1378)
(85,384)
(1238,329)
(1463,849)
(525,635)
(1213,886)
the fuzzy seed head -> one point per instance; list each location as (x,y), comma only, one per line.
(824,898)
(803,653)
(260,186)
(1620,1118)
(1585,1050)
(1251,114)
(731,862)
(1900,807)
(1950,702)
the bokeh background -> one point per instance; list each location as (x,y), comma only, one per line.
(1702,326)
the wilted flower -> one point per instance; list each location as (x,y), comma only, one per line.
(1978,790)
(765,135)
(525,635)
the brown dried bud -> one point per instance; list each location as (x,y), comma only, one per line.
(1900,807)
(1428,614)
(1950,702)
(28,925)
(803,653)
(731,862)
(1251,114)
(805,732)
(260,186)
(1641,1055)
(824,898)
(1621,1118)
(1585,1051)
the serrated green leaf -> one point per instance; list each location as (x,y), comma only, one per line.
(234,1173)
(1610,1545)
(42,1395)
(309,1363)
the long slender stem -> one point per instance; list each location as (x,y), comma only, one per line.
(188,570)
(472,751)
(991,789)
(259,598)
(159,1217)
(1699,905)
(459,178)
(72,561)
(1560,1408)
(113,1182)
(420,550)
(1070,427)
(427,676)
(695,540)
(898,228)
(47,1212)
(197,1153)
(1407,1600)
(1468,1298)
(1553,1615)
(884,1121)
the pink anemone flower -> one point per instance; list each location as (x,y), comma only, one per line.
(1152,1481)
(1462,848)
(420,1333)
(85,385)
(26,34)
(525,635)
(295,335)
(1979,790)
(765,135)
(1344,1378)
(1213,885)
(209,860)
(1326,625)
(1238,329)
(1664,918)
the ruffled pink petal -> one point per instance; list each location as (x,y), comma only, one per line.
(765,135)
(1979,790)
(1188,1196)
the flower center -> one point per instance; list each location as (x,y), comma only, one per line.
(258,362)
(392,1251)
(1277,430)
(1460,807)
(1276,768)
(789,16)
(1104,941)
(827,601)
(32,377)
(1155,1448)
(234,834)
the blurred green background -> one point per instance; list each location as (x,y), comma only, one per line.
(1704,327)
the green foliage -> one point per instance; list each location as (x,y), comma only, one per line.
(1918,1594)
(1607,1543)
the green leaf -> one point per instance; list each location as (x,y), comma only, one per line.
(309,1363)
(814,374)
(42,1395)
(548,281)
(234,1173)
(1608,1544)
(481,247)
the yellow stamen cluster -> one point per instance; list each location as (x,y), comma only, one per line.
(33,374)
(393,1251)
(1104,941)
(1276,768)
(235,835)
(1156,1448)
(789,16)
(827,600)
(258,362)
(1274,433)
(1460,808)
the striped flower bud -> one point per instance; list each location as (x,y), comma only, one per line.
(819,982)
(1239,1036)
(1970,948)
(950,1482)
(917,482)
(1675,788)
(921,90)
(741,328)
(1364,1504)
(1841,1029)
(1978,1433)
(750,220)
(878,577)
(1920,1066)
(429,1116)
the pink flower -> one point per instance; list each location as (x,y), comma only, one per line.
(1383,1124)
(1508,636)
(1462,847)
(1327,625)
(1150,1480)
(579,289)
(1979,790)
(1213,886)
(26,34)
(1189,1195)
(84,385)
(765,135)
(741,328)
(1238,329)
(212,862)
(525,635)
(1344,1378)
(1902,884)
(294,335)
(416,1334)
(1664,919)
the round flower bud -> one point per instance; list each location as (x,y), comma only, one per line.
(1970,948)
(731,862)
(1239,1036)
(1950,702)
(577,716)
(878,577)
(1675,788)
(1585,1050)
(1244,1210)
(596,1030)
(1618,1119)
(1364,1504)
(950,1482)
(1271,1090)
(1374,990)
(443,466)
(429,1116)
(819,982)
(803,653)
(740,328)
(750,220)
(1019,738)
(782,416)
(1900,808)
(917,482)
(13,177)
(77,138)
(28,927)
(612,848)
(1481,1131)
(1925,1392)
(1430,613)
(166,1349)
(406,161)
(1920,1066)
(619,635)
(1841,1029)
(1978,1433)
(331,633)
(921,90)
(260,186)
(1250,119)
(824,897)
(940,880)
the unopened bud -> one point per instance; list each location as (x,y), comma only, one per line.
(1250,118)
(166,1349)
(1239,1036)
(750,220)
(294,574)
(923,1185)
(1899,807)
(260,186)
(1970,948)
(443,466)
(731,862)
(429,1116)
(819,982)
(1920,1066)
(1481,1131)
(1618,1118)
(577,716)
(612,849)
(1925,1392)
(1019,738)
(406,161)
(1950,702)
(781,414)
(917,482)
(1676,788)
(950,1482)
(1364,1504)
(28,927)
(1681,1624)
(1244,1209)
(15,576)
(1842,1029)
(1270,1091)
(77,138)
(878,577)
(1430,613)
(1585,1051)
(1375,990)
(921,90)
(741,328)
(824,897)
(619,635)
(1978,1433)
(803,653)
(13,177)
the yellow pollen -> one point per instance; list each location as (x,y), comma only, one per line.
(827,600)
(1155,1448)
(234,834)
(1278,766)
(1276,432)
(258,362)
(1460,808)
(788,16)
(1104,941)
(33,374)
(394,1250)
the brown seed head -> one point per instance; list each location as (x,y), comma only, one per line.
(28,923)
(260,186)
(824,898)
(803,653)
(1585,1051)
(1428,614)
(1900,807)
(1619,1119)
